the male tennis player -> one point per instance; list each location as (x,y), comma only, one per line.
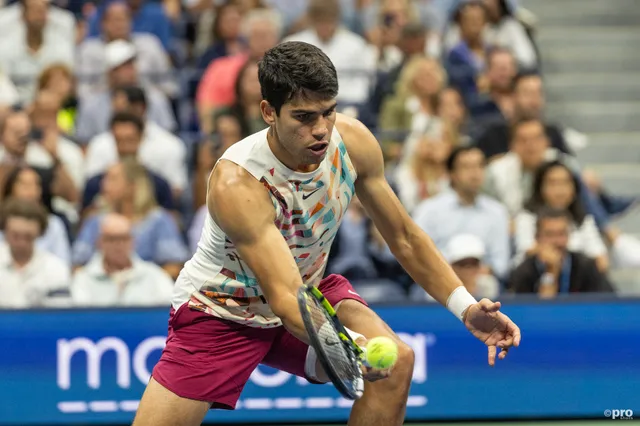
(275,203)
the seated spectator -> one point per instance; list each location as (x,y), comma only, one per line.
(554,269)
(148,17)
(425,173)
(21,146)
(226,35)
(127,190)
(262,30)
(156,148)
(451,109)
(25,53)
(24,183)
(392,17)
(464,210)
(59,21)
(152,62)
(95,112)
(59,79)
(116,276)
(497,105)
(353,58)
(504,30)
(29,276)
(556,187)
(528,102)
(413,109)
(466,62)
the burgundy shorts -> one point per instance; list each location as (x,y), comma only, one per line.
(210,359)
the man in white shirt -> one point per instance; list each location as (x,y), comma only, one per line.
(151,61)
(353,57)
(29,277)
(115,276)
(24,54)
(159,150)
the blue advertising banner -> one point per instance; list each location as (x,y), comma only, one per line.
(576,359)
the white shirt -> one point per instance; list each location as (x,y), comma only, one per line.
(584,239)
(55,240)
(160,151)
(8,92)
(70,156)
(36,284)
(353,57)
(59,21)
(144,284)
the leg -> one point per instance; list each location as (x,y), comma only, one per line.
(384,402)
(161,407)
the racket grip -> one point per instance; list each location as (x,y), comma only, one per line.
(363,357)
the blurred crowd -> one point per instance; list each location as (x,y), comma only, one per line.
(113,113)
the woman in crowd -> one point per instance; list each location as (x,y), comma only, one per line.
(450,108)
(24,183)
(556,187)
(413,108)
(226,35)
(246,108)
(59,79)
(128,190)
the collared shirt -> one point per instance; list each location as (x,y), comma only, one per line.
(160,151)
(39,283)
(55,240)
(144,284)
(353,57)
(443,217)
(94,113)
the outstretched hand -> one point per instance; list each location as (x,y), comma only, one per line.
(485,321)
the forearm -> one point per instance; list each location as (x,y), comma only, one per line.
(287,310)
(419,256)
(63,185)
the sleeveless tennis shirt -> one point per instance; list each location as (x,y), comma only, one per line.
(309,208)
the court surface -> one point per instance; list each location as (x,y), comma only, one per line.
(525,423)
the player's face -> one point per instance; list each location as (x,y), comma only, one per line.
(303,129)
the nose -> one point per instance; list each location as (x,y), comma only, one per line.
(320,129)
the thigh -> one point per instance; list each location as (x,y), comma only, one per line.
(209,359)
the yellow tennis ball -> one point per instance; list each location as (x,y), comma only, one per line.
(382,352)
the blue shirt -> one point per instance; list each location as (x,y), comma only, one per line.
(156,239)
(443,217)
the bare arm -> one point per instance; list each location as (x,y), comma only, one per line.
(241,206)
(415,251)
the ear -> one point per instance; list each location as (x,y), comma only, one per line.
(268,113)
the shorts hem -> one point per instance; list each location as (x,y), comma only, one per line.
(215,403)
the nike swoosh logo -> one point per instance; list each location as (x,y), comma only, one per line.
(354,293)
(331,342)
(305,196)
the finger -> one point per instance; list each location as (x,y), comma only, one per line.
(505,343)
(488,306)
(514,331)
(503,354)
(492,355)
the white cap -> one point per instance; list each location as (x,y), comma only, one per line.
(464,246)
(117,53)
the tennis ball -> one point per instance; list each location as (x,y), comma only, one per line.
(382,352)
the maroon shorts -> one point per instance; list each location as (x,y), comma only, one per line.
(210,359)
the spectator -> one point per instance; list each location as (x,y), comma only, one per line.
(466,62)
(23,55)
(148,17)
(59,22)
(116,276)
(127,132)
(262,30)
(29,276)
(413,109)
(128,190)
(424,174)
(24,183)
(226,35)
(528,103)
(157,149)
(556,187)
(246,108)
(498,104)
(353,58)
(464,210)
(95,112)
(59,79)
(451,109)
(8,93)
(504,30)
(554,269)
(151,61)
(392,17)
(21,146)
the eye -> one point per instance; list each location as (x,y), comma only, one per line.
(304,117)
(328,113)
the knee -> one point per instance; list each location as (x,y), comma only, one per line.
(403,370)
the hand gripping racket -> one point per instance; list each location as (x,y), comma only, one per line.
(339,355)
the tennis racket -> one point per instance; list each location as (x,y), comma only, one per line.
(339,355)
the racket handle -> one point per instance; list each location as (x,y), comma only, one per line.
(363,357)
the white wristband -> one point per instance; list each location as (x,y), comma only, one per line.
(459,300)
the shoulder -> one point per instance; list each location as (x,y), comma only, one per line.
(52,265)
(362,147)
(494,206)
(146,41)
(344,35)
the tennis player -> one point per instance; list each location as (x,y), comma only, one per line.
(275,201)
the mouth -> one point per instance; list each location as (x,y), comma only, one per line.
(319,148)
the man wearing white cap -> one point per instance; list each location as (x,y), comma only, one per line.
(465,253)
(95,112)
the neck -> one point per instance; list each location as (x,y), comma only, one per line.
(252,109)
(125,208)
(112,267)
(474,44)
(466,198)
(21,260)
(428,171)
(284,157)
(425,104)
(34,39)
